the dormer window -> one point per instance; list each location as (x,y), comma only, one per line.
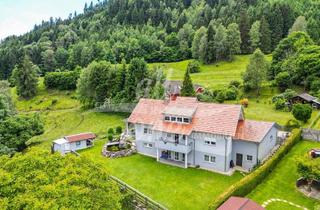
(186,120)
(173,119)
(179,119)
(167,118)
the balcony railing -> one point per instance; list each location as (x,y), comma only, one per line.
(174,146)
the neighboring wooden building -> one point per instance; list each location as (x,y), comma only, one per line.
(238,203)
(305,98)
(73,143)
(173,88)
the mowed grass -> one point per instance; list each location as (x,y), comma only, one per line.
(173,187)
(281,182)
(215,75)
(44,100)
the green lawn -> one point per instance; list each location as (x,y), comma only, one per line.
(191,188)
(211,76)
(281,182)
(174,187)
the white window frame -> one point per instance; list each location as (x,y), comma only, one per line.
(209,158)
(167,117)
(184,120)
(145,130)
(173,119)
(147,145)
(210,142)
(179,119)
(247,158)
(168,135)
(78,143)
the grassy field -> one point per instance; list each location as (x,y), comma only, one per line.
(44,100)
(211,76)
(174,187)
(281,182)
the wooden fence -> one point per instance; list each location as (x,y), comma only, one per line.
(140,201)
(311,134)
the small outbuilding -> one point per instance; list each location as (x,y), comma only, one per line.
(73,143)
(173,88)
(238,203)
(305,98)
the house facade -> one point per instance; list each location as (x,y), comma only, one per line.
(73,143)
(189,133)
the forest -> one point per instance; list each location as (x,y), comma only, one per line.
(159,31)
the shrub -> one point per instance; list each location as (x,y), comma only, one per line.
(110,137)
(292,124)
(251,181)
(193,67)
(119,130)
(234,83)
(244,102)
(54,101)
(221,96)
(283,80)
(62,80)
(280,104)
(315,85)
(231,94)
(111,131)
(302,112)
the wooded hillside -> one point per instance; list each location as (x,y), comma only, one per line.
(158,31)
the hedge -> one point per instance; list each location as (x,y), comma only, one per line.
(251,181)
(62,80)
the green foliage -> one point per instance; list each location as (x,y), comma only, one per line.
(302,112)
(287,48)
(251,181)
(235,83)
(96,83)
(231,93)
(193,67)
(17,130)
(187,86)
(62,80)
(308,167)
(111,131)
(118,130)
(25,78)
(221,96)
(283,80)
(256,72)
(38,180)
(255,36)
(280,104)
(299,25)
(6,103)
(110,137)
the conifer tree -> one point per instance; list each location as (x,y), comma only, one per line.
(187,86)
(25,78)
(244,27)
(265,42)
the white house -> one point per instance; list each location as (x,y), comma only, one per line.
(189,133)
(73,143)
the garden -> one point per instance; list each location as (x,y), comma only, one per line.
(281,183)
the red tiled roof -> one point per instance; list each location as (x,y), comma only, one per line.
(209,118)
(250,130)
(237,203)
(80,137)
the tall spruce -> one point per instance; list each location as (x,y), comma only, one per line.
(265,32)
(25,78)
(276,25)
(187,86)
(244,26)
(255,36)
(210,51)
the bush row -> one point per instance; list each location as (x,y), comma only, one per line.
(62,80)
(251,181)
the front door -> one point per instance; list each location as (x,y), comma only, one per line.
(239,159)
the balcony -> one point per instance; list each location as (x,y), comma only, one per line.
(174,146)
